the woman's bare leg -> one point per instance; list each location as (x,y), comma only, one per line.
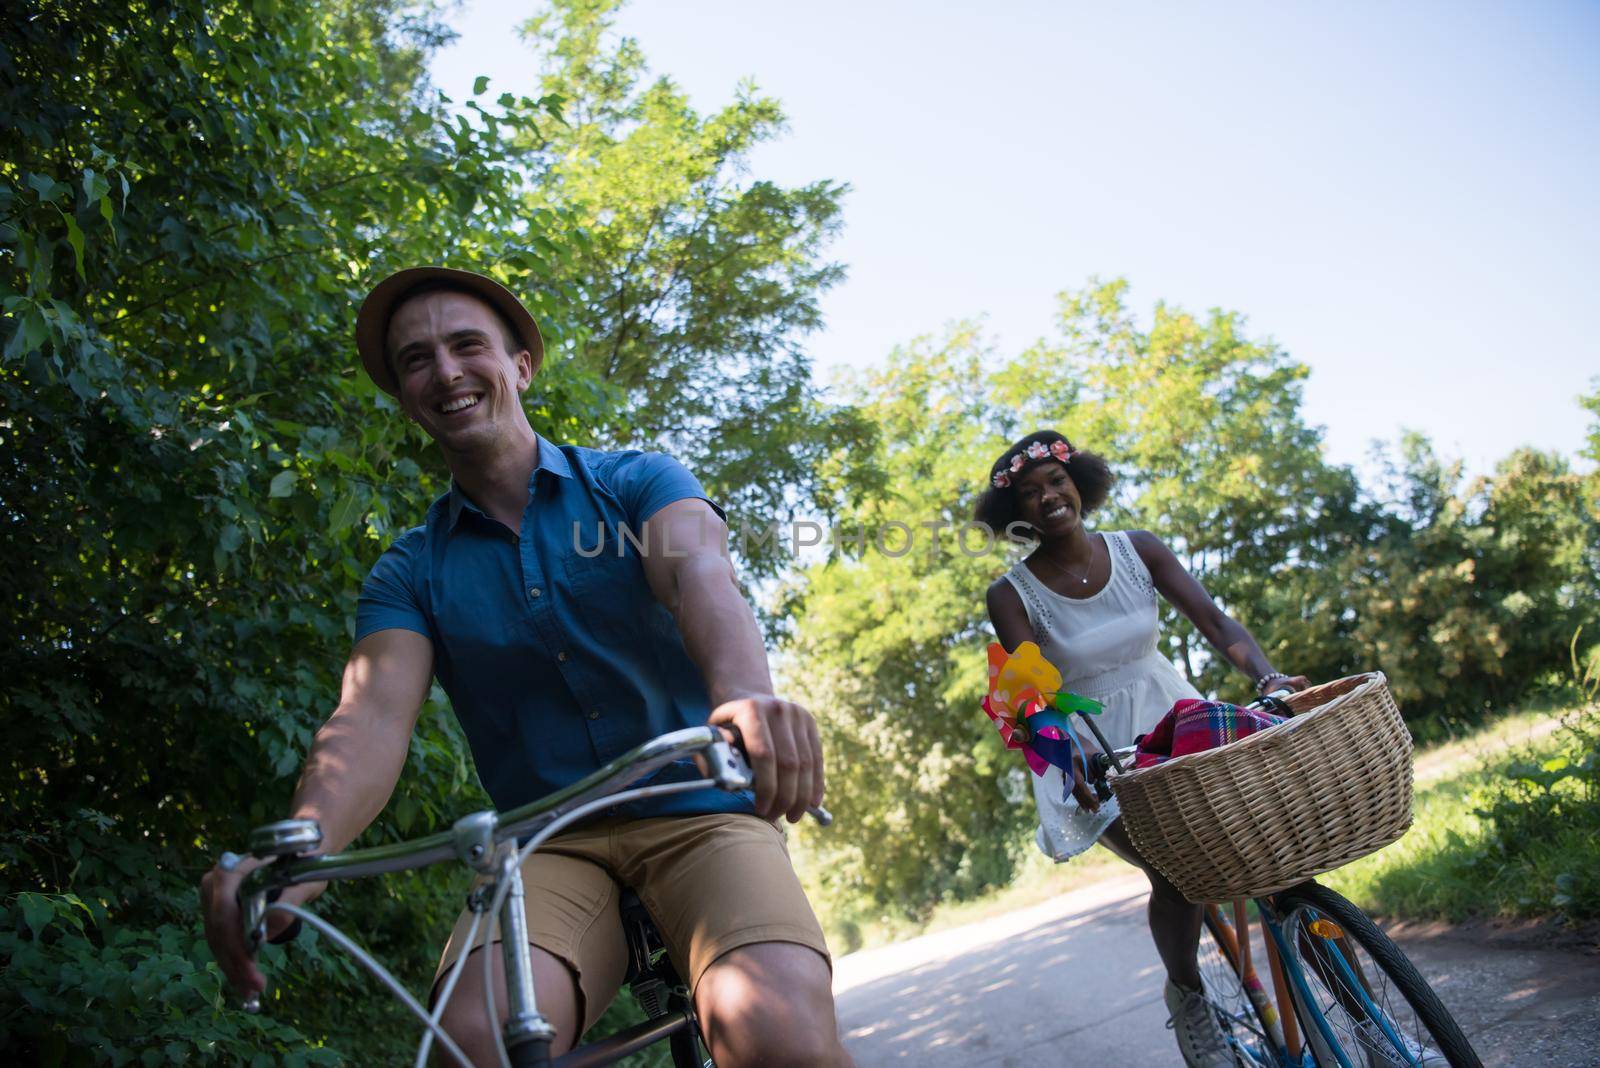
(1174,921)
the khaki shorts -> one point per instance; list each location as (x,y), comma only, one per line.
(712,883)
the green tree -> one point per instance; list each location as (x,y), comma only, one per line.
(702,281)
(195,479)
(887,649)
(193,197)
(1202,425)
(1474,590)
(1590,402)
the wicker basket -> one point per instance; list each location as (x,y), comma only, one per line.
(1267,812)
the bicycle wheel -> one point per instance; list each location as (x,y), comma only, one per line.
(1378,1008)
(1219,973)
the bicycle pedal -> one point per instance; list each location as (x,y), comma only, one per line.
(651,996)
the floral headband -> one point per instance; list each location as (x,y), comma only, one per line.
(1038,450)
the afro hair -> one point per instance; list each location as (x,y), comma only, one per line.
(997,505)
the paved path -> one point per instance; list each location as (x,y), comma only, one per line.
(1076,981)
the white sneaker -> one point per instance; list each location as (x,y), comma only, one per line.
(1382,1054)
(1194,1022)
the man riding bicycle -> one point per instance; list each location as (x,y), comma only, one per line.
(572,603)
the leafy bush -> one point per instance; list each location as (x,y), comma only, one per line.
(119,995)
(1543,817)
(194,195)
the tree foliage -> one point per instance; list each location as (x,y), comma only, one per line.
(701,281)
(1202,425)
(1470,594)
(196,478)
(1466,592)
(887,649)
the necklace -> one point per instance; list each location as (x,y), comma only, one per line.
(1082,577)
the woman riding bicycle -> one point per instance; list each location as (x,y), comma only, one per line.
(1089,600)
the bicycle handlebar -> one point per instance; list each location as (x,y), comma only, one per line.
(1097,770)
(473,838)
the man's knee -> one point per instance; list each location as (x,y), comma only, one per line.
(466,1017)
(466,1020)
(769,1004)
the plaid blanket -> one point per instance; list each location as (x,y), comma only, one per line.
(1194,726)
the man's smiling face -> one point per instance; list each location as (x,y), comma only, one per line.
(460,375)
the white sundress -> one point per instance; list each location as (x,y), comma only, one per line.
(1105,648)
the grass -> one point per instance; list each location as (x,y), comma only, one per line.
(1507,828)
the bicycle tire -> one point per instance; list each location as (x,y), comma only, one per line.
(1425,1012)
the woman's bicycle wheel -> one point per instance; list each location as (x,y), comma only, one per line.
(1378,1009)
(1219,972)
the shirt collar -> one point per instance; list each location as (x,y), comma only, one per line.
(551,459)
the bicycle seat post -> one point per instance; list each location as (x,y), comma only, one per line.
(527,1033)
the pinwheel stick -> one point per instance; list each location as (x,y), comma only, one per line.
(1105,746)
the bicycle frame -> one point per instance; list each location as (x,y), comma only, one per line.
(487,842)
(1275,1045)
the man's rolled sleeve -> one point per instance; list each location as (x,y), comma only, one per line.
(646,482)
(389,596)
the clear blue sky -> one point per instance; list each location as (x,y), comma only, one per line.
(1403,195)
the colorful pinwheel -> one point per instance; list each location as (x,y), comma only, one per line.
(1027,706)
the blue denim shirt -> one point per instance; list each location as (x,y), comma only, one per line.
(557,658)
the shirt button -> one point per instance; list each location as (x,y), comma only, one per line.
(535,592)
(594,713)
(562,656)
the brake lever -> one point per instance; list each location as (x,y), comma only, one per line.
(731,771)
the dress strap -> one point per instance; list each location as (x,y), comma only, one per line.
(1132,563)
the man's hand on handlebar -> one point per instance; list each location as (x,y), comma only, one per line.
(784,749)
(224,923)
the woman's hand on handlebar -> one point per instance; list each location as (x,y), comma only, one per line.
(1295,683)
(780,740)
(224,922)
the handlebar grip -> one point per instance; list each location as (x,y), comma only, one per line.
(1099,765)
(1274,703)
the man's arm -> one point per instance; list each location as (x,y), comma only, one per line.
(354,763)
(357,755)
(687,565)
